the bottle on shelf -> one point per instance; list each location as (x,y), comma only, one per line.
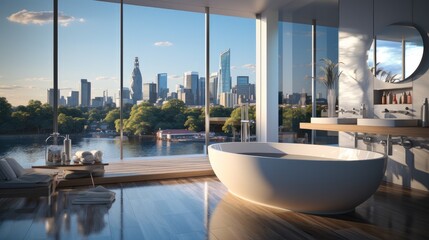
(389,98)
(394,99)
(409,99)
(425,113)
(404,98)
(383,98)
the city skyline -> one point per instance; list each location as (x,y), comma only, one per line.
(89,46)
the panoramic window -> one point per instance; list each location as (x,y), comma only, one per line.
(89,71)
(232,78)
(164,79)
(163,82)
(295,103)
(26,72)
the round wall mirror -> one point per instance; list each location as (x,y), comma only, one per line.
(398,53)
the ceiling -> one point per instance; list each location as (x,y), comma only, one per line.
(300,11)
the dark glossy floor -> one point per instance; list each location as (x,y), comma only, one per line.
(201,208)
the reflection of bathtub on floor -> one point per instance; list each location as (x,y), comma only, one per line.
(299,177)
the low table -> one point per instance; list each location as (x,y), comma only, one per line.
(90,168)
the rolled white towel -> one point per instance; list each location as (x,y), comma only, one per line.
(82,154)
(88,159)
(98,155)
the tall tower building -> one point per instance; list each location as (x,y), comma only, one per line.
(50,96)
(162,85)
(224,76)
(213,88)
(202,89)
(149,92)
(191,81)
(73,99)
(85,93)
(136,83)
(244,90)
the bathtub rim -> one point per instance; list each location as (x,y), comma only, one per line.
(377,155)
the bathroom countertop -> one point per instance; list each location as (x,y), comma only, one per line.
(394,131)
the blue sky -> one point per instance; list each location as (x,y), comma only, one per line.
(164,40)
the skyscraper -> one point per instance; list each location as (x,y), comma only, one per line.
(126,98)
(149,92)
(85,93)
(73,99)
(244,90)
(136,83)
(191,81)
(202,89)
(162,85)
(213,88)
(242,80)
(50,96)
(224,77)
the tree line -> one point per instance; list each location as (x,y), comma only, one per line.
(142,119)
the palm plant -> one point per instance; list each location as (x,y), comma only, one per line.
(330,73)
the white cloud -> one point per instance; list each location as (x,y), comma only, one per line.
(175,77)
(163,44)
(41,18)
(234,67)
(14,87)
(249,66)
(40,79)
(104,78)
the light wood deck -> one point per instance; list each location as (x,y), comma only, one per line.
(202,208)
(148,169)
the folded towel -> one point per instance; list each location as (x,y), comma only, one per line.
(98,195)
(88,159)
(82,154)
(98,155)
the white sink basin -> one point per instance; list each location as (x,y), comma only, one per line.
(389,122)
(332,120)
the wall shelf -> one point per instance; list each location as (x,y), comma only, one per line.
(393,131)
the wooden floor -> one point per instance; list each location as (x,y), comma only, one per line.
(201,208)
(148,169)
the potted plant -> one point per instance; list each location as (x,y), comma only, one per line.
(330,78)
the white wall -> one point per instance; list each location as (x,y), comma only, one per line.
(358,22)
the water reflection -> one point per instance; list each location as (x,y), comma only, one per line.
(64,218)
(29,149)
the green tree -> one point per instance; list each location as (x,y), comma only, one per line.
(40,116)
(71,111)
(194,123)
(95,115)
(5,115)
(220,111)
(19,121)
(293,116)
(233,123)
(173,113)
(111,117)
(143,119)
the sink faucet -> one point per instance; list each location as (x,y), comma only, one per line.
(402,141)
(342,110)
(405,112)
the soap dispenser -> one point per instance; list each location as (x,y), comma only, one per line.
(425,113)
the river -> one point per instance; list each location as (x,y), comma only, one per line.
(28,150)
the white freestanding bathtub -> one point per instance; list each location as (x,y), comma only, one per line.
(298,177)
